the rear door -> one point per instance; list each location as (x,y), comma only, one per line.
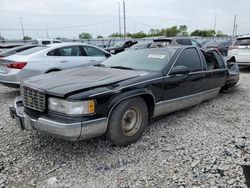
(69,57)
(216,72)
(94,55)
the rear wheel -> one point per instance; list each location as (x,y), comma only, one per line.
(127,121)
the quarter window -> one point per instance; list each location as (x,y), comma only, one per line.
(91,51)
(45,42)
(191,59)
(66,51)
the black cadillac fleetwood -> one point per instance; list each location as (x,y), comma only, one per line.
(119,96)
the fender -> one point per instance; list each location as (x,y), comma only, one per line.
(145,93)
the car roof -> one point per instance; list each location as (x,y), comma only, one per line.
(244,36)
(68,44)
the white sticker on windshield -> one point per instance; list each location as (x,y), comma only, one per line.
(157,56)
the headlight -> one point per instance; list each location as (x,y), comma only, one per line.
(72,108)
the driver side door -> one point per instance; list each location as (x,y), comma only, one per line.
(184,90)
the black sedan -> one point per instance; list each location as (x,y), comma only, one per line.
(222,46)
(121,46)
(119,96)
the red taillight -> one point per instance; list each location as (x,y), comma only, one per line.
(16,65)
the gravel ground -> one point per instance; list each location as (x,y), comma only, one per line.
(203,146)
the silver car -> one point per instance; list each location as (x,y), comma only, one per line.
(46,59)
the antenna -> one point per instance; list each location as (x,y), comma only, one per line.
(234,26)
(215,17)
(21,19)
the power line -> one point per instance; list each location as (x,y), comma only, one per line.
(56,28)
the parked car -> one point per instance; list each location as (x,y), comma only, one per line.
(174,41)
(121,46)
(46,59)
(16,50)
(46,41)
(141,45)
(241,50)
(120,95)
(221,46)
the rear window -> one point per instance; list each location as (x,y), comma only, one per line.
(160,43)
(184,41)
(242,42)
(46,42)
(32,50)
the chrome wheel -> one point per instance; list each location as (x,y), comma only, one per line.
(131,121)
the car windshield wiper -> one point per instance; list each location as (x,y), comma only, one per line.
(121,67)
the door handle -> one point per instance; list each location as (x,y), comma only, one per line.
(92,60)
(64,61)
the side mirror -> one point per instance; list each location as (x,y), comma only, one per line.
(179,70)
(107,55)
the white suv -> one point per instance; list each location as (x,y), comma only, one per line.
(241,50)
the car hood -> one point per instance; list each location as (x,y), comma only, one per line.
(64,82)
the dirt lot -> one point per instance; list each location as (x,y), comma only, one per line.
(203,146)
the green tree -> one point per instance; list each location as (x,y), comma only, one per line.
(221,34)
(27,38)
(99,37)
(140,34)
(116,35)
(85,36)
(203,33)
(183,30)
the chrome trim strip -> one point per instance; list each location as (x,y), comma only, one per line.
(172,105)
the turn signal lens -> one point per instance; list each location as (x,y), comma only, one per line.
(91,106)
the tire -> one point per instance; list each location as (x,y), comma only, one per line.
(127,121)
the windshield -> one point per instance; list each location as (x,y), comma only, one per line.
(32,50)
(242,42)
(146,59)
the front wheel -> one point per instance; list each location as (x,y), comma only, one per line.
(127,121)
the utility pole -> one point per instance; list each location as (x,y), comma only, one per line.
(124,16)
(47,33)
(234,26)
(21,19)
(119,13)
(215,17)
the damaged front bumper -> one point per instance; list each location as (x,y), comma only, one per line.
(68,129)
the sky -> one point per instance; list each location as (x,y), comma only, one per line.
(69,18)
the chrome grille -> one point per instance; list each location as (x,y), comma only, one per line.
(33,98)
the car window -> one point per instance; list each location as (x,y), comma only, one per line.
(45,42)
(24,48)
(55,52)
(56,42)
(242,42)
(32,50)
(191,59)
(71,51)
(92,51)
(195,43)
(213,60)
(184,41)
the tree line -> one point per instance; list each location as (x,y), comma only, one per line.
(168,32)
